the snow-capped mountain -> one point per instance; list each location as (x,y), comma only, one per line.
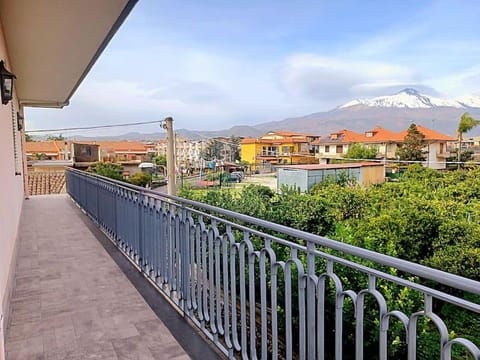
(412,99)
(470,101)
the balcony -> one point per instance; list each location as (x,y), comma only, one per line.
(254,288)
(269,154)
(444,155)
(77,297)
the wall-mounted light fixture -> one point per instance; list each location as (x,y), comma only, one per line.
(6,83)
(19,121)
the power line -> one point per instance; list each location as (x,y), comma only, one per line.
(96,127)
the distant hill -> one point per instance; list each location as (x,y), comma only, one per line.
(394,112)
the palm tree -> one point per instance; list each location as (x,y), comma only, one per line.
(467,123)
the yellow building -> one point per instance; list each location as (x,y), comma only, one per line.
(278,148)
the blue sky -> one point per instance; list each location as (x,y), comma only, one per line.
(215,64)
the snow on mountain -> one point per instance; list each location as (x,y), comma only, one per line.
(470,101)
(412,99)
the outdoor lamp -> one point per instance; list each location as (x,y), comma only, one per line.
(6,83)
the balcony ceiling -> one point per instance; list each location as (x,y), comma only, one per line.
(52,44)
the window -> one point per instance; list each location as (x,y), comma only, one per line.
(339,149)
(441,148)
(327,148)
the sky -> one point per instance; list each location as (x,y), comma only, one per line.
(213,64)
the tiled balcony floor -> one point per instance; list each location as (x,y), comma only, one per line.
(73,301)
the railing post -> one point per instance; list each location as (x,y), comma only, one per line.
(141,262)
(185,258)
(311,321)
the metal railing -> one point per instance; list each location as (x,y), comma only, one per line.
(263,290)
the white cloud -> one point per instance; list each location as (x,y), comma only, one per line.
(331,79)
(461,83)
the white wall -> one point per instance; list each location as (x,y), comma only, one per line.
(11,197)
(433,161)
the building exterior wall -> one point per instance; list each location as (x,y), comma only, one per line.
(11,195)
(304,179)
(433,160)
(295,178)
(248,152)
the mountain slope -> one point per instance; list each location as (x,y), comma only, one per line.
(394,112)
(407,98)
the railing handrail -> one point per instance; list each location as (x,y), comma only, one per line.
(439,276)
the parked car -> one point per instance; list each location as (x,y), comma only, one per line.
(235,176)
(239,174)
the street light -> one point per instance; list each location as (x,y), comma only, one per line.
(6,83)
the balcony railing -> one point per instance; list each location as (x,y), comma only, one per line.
(270,153)
(262,290)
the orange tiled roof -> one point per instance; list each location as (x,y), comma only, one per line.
(379,134)
(429,134)
(248,141)
(42,147)
(42,183)
(119,146)
(342,136)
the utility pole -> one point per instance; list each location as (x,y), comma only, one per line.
(171,176)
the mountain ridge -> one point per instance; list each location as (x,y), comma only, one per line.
(393,112)
(411,98)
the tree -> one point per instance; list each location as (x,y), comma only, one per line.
(57,138)
(213,150)
(28,138)
(467,123)
(140,179)
(235,148)
(111,170)
(360,151)
(160,160)
(413,145)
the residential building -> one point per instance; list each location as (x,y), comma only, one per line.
(124,152)
(335,145)
(385,142)
(436,147)
(188,153)
(278,148)
(47,150)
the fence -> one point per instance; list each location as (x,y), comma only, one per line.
(262,290)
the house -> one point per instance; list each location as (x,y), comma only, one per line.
(47,150)
(385,142)
(303,177)
(278,147)
(435,148)
(335,145)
